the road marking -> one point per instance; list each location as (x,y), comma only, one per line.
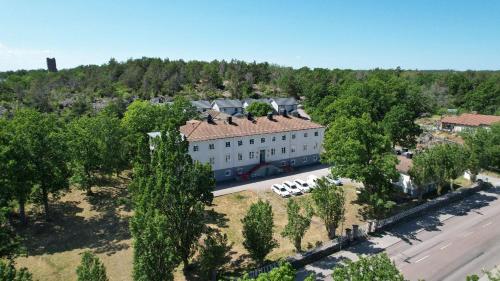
(421,259)
(445,246)
(487,224)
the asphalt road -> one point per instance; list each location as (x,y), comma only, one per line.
(264,184)
(446,244)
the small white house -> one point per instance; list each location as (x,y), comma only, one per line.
(228,106)
(282,104)
(405,182)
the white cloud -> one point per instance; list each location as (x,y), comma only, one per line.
(14,58)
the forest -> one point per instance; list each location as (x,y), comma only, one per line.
(87,88)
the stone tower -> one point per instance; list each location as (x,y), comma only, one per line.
(51,65)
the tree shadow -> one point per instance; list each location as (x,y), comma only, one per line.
(99,227)
(215,218)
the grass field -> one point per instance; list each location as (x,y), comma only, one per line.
(100,224)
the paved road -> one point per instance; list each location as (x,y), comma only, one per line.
(265,183)
(446,244)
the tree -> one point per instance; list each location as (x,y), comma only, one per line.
(284,272)
(258,230)
(96,147)
(11,243)
(214,254)
(91,268)
(399,125)
(297,223)
(483,148)
(441,164)
(9,273)
(170,199)
(376,267)
(329,201)
(259,108)
(357,149)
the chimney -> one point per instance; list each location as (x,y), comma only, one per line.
(210,120)
(270,116)
(229,120)
(285,113)
(249,116)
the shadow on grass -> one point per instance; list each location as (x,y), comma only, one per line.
(71,228)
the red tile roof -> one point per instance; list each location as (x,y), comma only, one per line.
(473,120)
(195,130)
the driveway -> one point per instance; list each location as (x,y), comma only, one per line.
(263,184)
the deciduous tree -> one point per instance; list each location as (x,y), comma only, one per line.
(258,230)
(214,254)
(329,200)
(259,108)
(376,267)
(298,223)
(8,272)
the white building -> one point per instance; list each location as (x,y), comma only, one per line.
(467,121)
(282,104)
(239,148)
(228,106)
(405,181)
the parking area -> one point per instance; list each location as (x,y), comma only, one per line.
(264,184)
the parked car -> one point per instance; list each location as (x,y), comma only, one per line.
(302,185)
(280,190)
(292,188)
(311,180)
(332,180)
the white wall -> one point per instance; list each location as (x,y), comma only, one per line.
(204,153)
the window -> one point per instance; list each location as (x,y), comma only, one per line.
(273,151)
(316,134)
(212,160)
(292,149)
(211,146)
(228,157)
(228,173)
(283,137)
(195,148)
(239,171)
(283,150)
(262,140)
(240,143)
(305,147)
(305,135)
(293,136)
(228,144)
(274,138)
(251,155)
(240,156)
(315,145)
(252,141)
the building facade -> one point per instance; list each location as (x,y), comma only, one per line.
(227,106)
(243,148)
(467,121)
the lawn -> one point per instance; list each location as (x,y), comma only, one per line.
(100,224)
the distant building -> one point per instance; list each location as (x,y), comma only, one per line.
(282,104)
(467,121)
(228,106)
(201,105)
(244,148)
(51,65)
(405,182)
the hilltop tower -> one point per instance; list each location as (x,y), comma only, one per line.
(51,65)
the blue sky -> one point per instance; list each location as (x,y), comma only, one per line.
(419,34)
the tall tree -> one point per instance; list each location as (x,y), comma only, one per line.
(376,267)
(297,223)
(399,125)
(173,195)
(214,255)
(329,201)
(258,231)
(91,268)
(357,149)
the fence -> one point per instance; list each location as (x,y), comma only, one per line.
(359,233)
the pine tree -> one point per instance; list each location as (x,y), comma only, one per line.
(91,268)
